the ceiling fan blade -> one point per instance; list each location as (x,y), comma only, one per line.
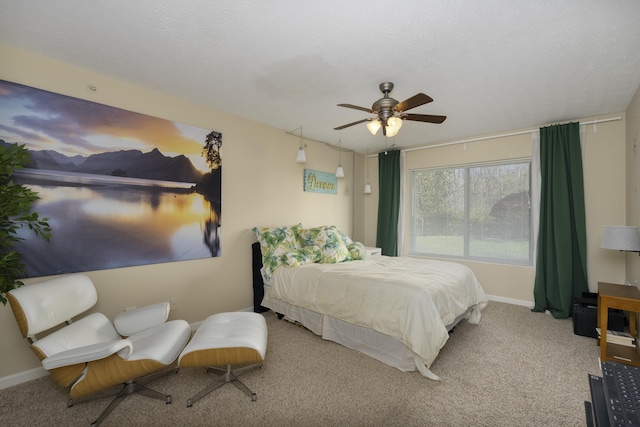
(351,124)
(413,102)
(424,118)
(355,107)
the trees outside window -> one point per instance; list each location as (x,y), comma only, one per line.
(480,212)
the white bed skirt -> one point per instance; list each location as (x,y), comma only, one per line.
(382,347)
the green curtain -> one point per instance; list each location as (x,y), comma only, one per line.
(388,202)
(561,268)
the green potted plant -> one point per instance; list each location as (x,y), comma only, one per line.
(16,202)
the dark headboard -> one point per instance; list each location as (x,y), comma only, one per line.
(258,284)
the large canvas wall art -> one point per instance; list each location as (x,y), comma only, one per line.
(119,188)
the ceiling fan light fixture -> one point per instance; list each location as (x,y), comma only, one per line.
(393,126)
(392,113)
(374,126)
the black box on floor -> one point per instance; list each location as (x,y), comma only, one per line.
(585,316)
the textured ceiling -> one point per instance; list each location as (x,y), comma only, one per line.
(490,66)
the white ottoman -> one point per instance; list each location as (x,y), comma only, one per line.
(237,339)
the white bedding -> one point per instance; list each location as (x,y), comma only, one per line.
(407,298)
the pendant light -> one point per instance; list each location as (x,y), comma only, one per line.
(339,170)
(367,187)
(301,158)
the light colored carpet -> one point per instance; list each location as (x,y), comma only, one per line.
(515,368)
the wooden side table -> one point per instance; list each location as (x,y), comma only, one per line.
(625,298)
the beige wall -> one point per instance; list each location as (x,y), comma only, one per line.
(604,171)
(261,185)
(633,180)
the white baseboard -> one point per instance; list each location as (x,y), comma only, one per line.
(22,377)
(523,303)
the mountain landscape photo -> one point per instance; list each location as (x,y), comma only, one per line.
(125,163)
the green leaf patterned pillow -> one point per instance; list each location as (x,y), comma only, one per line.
(274,242)
(356,250)
(330,241)
(346,239)
(306,255)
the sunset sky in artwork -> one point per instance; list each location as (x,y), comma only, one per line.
(44,120)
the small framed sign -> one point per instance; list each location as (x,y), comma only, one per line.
(320,182)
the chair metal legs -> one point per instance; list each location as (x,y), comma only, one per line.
(126,389)
(228,376)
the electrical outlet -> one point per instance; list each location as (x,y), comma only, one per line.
(174,304)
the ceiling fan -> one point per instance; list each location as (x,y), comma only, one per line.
(390,112)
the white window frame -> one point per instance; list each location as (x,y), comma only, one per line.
(467,256)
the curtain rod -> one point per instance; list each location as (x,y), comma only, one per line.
(504,135)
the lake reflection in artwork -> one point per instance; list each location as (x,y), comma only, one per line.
(118,188)
(117,223)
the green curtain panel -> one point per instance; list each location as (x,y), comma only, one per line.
(388,202)
(561,267)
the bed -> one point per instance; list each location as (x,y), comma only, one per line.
(397,310)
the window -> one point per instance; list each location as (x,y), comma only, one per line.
(479,212)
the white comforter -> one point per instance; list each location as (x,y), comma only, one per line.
(407,298)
